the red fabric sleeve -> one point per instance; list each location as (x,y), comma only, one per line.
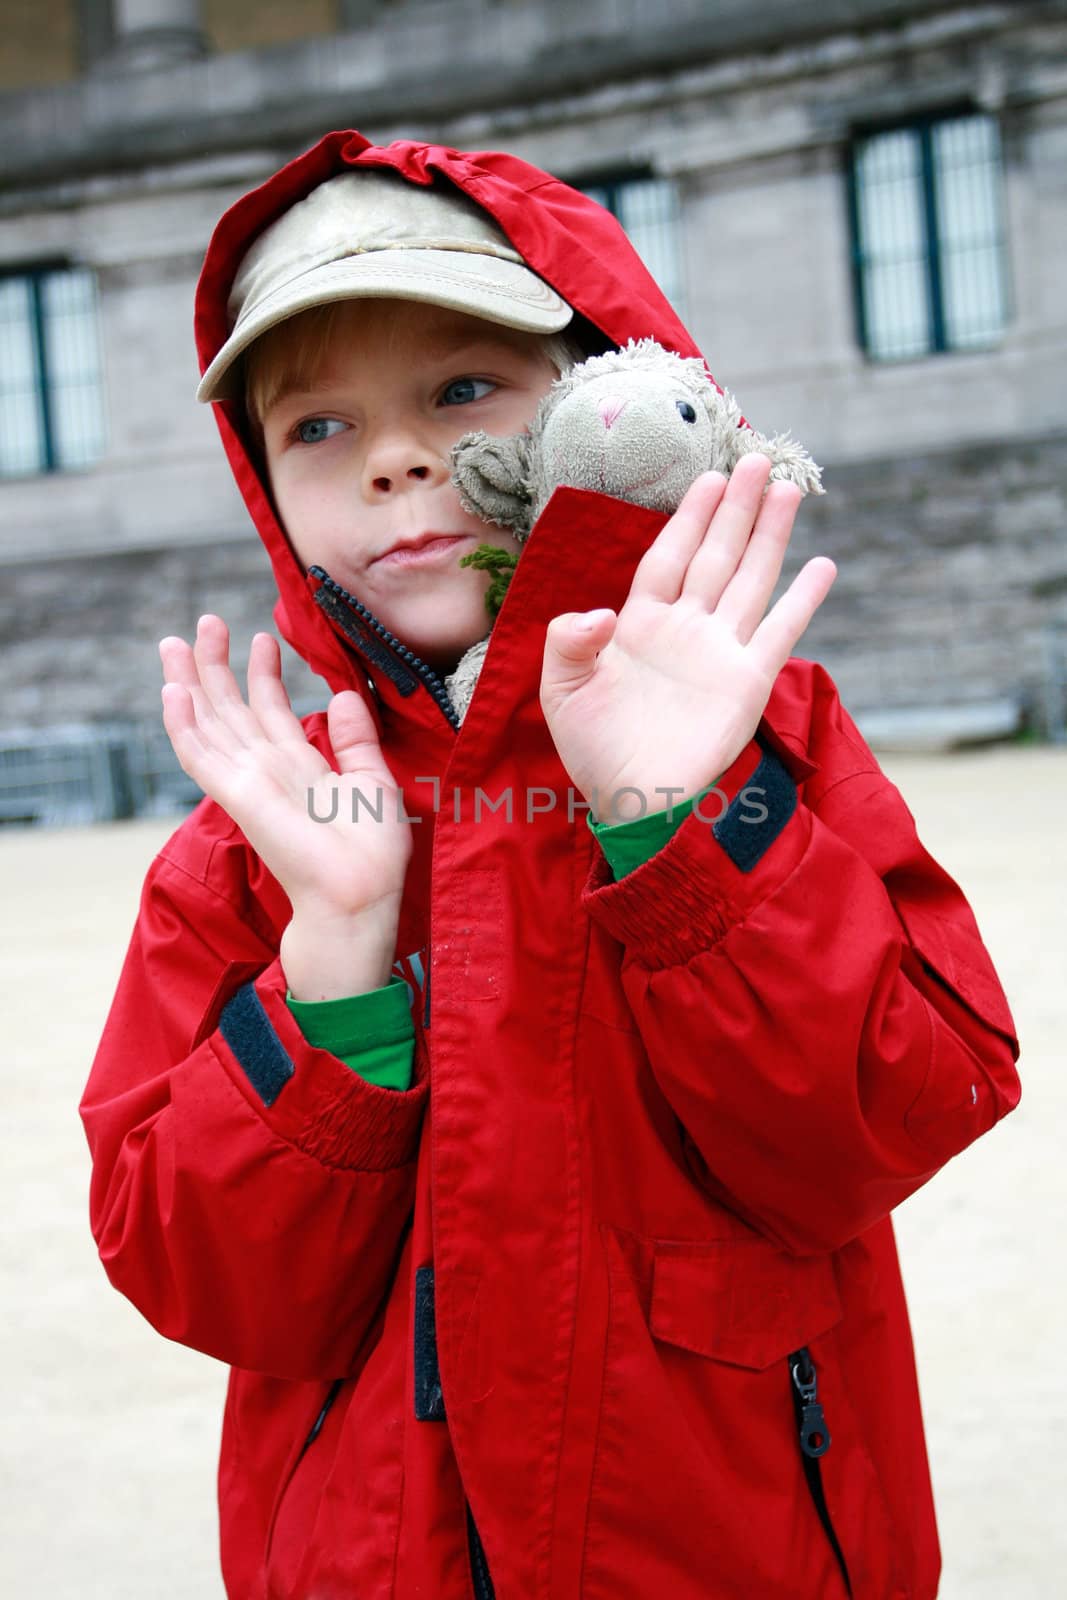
(823,1018)
(256,1218)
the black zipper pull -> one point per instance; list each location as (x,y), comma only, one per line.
(814,1434)
(316,1426)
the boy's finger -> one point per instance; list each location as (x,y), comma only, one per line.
(211,653)
(179,666)
(180,671)
(715,562)
(572,643)
(177,662)
(267,694)
(178,715)
(195,753)
(661,571)
(776,637)
(353,735)
(747,595)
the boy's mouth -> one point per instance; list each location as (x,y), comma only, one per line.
(424,547)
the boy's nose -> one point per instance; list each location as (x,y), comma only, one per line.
(400,461)
(384,483)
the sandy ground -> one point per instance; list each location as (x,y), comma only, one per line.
(108,1449)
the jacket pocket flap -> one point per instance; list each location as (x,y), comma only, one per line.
(954,950)
(741,1301)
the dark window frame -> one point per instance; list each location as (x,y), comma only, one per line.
(924,124)
(34,273)
(613,181)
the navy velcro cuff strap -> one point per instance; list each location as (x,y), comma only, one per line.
(757,815)
(429,1397)
(690,894)
(248,1031)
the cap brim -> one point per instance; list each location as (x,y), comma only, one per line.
(482,285)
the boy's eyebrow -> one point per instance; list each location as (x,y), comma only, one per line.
(289,386)
(447,344)
(439,348)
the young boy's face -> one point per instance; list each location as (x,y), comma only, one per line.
(359,462)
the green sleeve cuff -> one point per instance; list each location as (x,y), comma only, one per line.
(372,1033)
(627,845)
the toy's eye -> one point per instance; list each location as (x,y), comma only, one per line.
(686,411)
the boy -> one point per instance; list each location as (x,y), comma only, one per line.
(576,1277)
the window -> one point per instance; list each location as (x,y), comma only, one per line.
(51,401)
(928,238)
(648,210)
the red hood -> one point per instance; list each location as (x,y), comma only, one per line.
(569,240)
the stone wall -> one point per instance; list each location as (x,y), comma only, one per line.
(952,567)
(80,635)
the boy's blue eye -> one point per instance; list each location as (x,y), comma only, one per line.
(313,429)
(686,411)
(461,391)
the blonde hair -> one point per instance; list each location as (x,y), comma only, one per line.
(292,354)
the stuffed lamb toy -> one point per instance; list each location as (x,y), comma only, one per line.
(638,423)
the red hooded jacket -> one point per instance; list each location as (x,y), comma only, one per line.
(540,1325)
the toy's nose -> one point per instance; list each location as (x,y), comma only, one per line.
(611,408)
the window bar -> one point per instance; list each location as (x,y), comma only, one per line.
(933,243)
(43,396)
(854,180)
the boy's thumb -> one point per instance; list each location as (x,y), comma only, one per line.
(353,735)
(572,644)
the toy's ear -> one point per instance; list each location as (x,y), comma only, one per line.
(790,462)
(491,475)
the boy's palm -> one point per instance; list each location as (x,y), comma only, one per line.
(668,693)
(255,760)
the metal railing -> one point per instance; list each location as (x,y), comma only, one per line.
(1053,703)
(64,774)
(94,772)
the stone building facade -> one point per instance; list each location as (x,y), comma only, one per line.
(127,126)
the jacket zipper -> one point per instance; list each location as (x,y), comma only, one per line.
(316,1426)
(814,1442)
(483,1584)
(434,685)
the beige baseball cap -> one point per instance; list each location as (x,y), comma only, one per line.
(374,235)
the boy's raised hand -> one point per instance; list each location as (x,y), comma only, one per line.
(344,881)
(666,694)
